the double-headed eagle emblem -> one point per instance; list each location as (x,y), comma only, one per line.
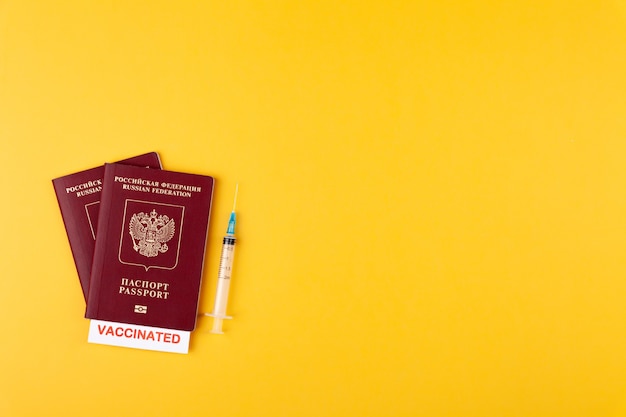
(150,232)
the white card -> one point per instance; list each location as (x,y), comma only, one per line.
(138,337)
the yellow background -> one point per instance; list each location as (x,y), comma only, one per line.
(432,205)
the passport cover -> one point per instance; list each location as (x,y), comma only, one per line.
(78,196)
(150,247)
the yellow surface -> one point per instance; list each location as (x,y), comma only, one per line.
(432,205)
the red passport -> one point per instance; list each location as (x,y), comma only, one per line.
(79,200)
(150,246)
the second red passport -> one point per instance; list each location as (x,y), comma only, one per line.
(150,246)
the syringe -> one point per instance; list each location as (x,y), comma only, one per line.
(223,278)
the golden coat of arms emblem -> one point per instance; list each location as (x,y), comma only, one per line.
(150,232)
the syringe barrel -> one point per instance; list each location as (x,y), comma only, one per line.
(223,279)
